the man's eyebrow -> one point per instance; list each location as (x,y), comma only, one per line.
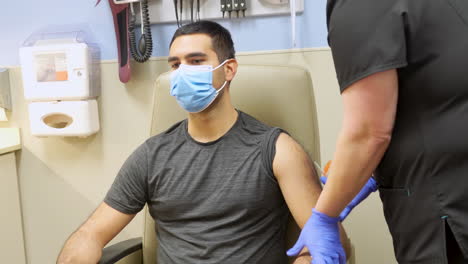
(171,59)
(195,54)
(188,56)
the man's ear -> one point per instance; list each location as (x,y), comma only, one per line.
(230,69)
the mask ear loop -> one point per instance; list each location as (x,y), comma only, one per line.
(225,82)
(217,67)
(222,64)
(222,87)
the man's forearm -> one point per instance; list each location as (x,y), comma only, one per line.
(355,160)
(81,248)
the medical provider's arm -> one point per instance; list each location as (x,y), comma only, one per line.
(85,245)
(298,181)
(369,114)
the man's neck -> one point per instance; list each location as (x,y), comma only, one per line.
(214,122)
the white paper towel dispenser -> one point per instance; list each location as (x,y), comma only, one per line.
(64,118)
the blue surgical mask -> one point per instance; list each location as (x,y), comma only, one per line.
(192,86)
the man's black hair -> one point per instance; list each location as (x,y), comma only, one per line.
(220,37)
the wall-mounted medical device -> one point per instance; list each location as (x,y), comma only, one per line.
(61,83)
(185,11)
(124,13)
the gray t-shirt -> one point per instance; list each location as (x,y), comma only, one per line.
(215,202)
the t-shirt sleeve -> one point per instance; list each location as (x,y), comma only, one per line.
(269,149)
(128,193)
(366,37)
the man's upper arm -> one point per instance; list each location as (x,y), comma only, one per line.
(129,191)
(297,178)
(126,197)
(299,182)
(105,223)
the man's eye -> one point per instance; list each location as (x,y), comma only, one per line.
(175,66)
(197,61)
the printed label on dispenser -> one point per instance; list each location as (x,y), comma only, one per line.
(51,67)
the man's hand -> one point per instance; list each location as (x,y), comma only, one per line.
(303,257)
(369,187)
(303,260)
(322,237)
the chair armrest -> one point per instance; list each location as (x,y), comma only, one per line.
(114,253)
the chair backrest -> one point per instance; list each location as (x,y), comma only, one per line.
(277,95)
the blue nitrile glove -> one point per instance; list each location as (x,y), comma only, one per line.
(321,235)
(368,188)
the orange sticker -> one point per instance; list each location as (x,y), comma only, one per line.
(61,76)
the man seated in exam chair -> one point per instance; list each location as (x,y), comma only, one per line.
(219,184)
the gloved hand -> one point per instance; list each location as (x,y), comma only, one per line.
(368,188)
(321,236)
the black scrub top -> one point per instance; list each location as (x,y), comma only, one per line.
(423,177)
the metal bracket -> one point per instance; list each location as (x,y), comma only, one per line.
(5,97)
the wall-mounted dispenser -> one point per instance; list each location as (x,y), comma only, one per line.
(61,82)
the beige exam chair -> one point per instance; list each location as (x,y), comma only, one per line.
(279,96)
